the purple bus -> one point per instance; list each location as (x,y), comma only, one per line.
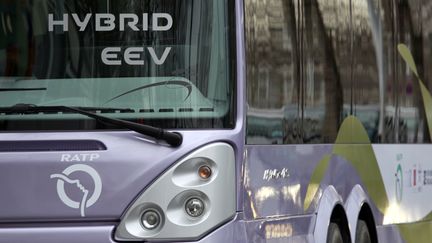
(215,121)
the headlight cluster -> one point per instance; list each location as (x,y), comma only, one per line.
(186,202)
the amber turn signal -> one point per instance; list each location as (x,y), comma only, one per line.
(204,172)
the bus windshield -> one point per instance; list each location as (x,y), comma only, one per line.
(160,62)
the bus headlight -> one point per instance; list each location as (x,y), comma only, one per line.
(186,202)
(151,219)
(194,207)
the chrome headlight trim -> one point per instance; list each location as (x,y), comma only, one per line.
(171,190)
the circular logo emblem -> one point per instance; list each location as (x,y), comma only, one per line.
(86,200)
(398,183)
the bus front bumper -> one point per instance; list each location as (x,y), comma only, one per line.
(298,228)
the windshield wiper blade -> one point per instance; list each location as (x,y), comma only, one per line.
(172,138)
(20,89)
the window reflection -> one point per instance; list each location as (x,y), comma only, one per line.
(311,63)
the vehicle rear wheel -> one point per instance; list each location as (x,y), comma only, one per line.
(334,234)
(362,233)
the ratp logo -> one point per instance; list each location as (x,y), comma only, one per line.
(86,200)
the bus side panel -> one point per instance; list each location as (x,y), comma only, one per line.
(277,184)
(277,179)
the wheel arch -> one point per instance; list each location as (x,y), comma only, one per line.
(340,218)
(358,208)
(330,209)
(367,216)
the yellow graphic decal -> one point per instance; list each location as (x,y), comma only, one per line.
(315,181)
(353,144)
(418,231)
(427,99)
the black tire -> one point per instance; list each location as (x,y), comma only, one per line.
(362,233)
(334,234)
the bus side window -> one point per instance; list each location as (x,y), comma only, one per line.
(310,64)
(295,72)
(272,73)
(368,68)
(404,117)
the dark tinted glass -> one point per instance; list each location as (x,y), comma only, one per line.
(169,62)
(313,63)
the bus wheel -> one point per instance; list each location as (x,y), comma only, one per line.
(334,234)
(362,233)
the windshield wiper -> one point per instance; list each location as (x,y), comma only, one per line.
(20,89)
(172,138)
